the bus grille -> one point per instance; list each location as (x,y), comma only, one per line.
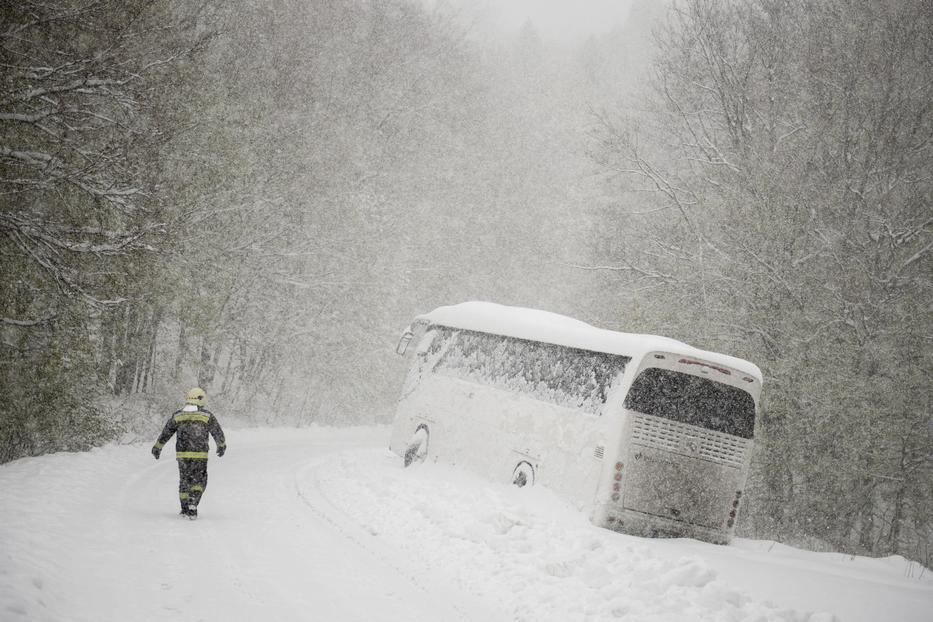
(682,438)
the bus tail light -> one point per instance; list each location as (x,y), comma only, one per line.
(735,507)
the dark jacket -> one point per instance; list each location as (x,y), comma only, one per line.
(192,428)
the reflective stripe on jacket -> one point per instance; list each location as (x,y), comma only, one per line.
(192,428)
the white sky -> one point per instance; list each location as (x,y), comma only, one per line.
(563,20)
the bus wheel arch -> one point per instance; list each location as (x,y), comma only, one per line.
(417,448)
(523,474)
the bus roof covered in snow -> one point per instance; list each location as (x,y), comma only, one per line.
(547,327)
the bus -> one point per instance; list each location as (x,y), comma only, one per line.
(647,435)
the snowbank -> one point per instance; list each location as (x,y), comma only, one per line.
(544,561)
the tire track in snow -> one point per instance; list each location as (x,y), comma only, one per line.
(362,537)
(528,550)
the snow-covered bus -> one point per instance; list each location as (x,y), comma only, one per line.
(648,435)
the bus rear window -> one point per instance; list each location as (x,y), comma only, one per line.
(693,400)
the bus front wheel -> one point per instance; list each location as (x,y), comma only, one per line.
(417,449)
(523,474)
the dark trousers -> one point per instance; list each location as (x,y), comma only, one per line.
(192,480)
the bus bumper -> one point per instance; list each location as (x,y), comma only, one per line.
(649,526)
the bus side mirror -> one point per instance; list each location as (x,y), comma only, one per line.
(403,342)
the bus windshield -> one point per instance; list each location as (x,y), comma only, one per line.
(693,400)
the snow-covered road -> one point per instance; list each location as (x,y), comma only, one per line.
(324,525)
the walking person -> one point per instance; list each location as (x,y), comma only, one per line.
(192,423)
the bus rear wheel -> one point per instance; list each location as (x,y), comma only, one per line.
(417,449)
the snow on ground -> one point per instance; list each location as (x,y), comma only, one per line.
(322,524)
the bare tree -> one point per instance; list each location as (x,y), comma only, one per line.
(788,153)
(80,209)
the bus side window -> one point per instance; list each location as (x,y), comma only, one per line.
(564,376)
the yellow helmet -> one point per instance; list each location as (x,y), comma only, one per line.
(196,396)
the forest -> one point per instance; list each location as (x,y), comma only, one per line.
(256,198)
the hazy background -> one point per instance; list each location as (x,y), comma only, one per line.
(257,200)
(557,21)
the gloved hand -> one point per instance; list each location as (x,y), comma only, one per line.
(221,450)
(156,452)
